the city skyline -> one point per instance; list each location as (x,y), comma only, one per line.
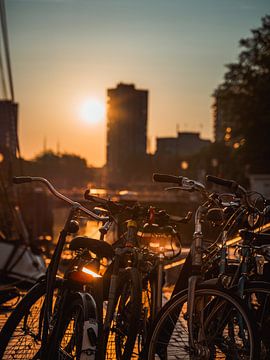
(64,52)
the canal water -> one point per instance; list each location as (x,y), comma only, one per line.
(87,227)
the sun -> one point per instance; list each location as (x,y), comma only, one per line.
(92,110)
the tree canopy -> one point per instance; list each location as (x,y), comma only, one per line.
(245,95)
(64,170)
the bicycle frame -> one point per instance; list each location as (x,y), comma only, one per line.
(195,278)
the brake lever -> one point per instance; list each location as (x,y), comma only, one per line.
(187,218)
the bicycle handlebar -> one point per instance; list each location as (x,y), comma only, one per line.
(21,179)
(184,183)
(113,207)
(167,178)
(94,198)
(26,179)
(230,184)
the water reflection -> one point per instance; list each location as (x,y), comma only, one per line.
(87,228)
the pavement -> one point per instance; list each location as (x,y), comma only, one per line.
(111,348)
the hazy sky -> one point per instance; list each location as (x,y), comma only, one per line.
(65,51)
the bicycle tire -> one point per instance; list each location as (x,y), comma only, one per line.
(125,324)
(75,334)
(215,326)
(149,291)
(257,299)
(21,330)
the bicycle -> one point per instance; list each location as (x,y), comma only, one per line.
(62,317)
(123,309)
(136,279)
(202,321)
(248,279)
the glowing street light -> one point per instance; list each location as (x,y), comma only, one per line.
(184,165)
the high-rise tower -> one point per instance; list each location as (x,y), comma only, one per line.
(126,131)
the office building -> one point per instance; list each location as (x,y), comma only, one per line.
(184,145)
(127,111)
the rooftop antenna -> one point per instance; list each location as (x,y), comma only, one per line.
(177,128)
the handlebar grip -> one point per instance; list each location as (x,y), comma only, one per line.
(21,179)
(112,206)
(167,178)
(231,184)
(95,199)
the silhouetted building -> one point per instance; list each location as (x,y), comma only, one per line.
(184,145)
(8,129)
(126,132)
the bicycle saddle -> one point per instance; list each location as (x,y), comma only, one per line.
(98,247)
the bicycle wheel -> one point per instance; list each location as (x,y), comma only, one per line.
(222,329)
(127,316)
(75,334)
(20,337)
(148,311)
(257,298)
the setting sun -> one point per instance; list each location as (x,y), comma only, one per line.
(92,110)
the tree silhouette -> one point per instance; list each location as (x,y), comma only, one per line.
(245,99)
(64,170)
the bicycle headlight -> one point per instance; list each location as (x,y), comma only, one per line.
(84,274)
(90,272)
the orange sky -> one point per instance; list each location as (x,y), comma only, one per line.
(65,51)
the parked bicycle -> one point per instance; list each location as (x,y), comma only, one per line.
(202,321)
(136,280)
(61,318)
(248,278)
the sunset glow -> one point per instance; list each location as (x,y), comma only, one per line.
(174,49)
(92,110)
